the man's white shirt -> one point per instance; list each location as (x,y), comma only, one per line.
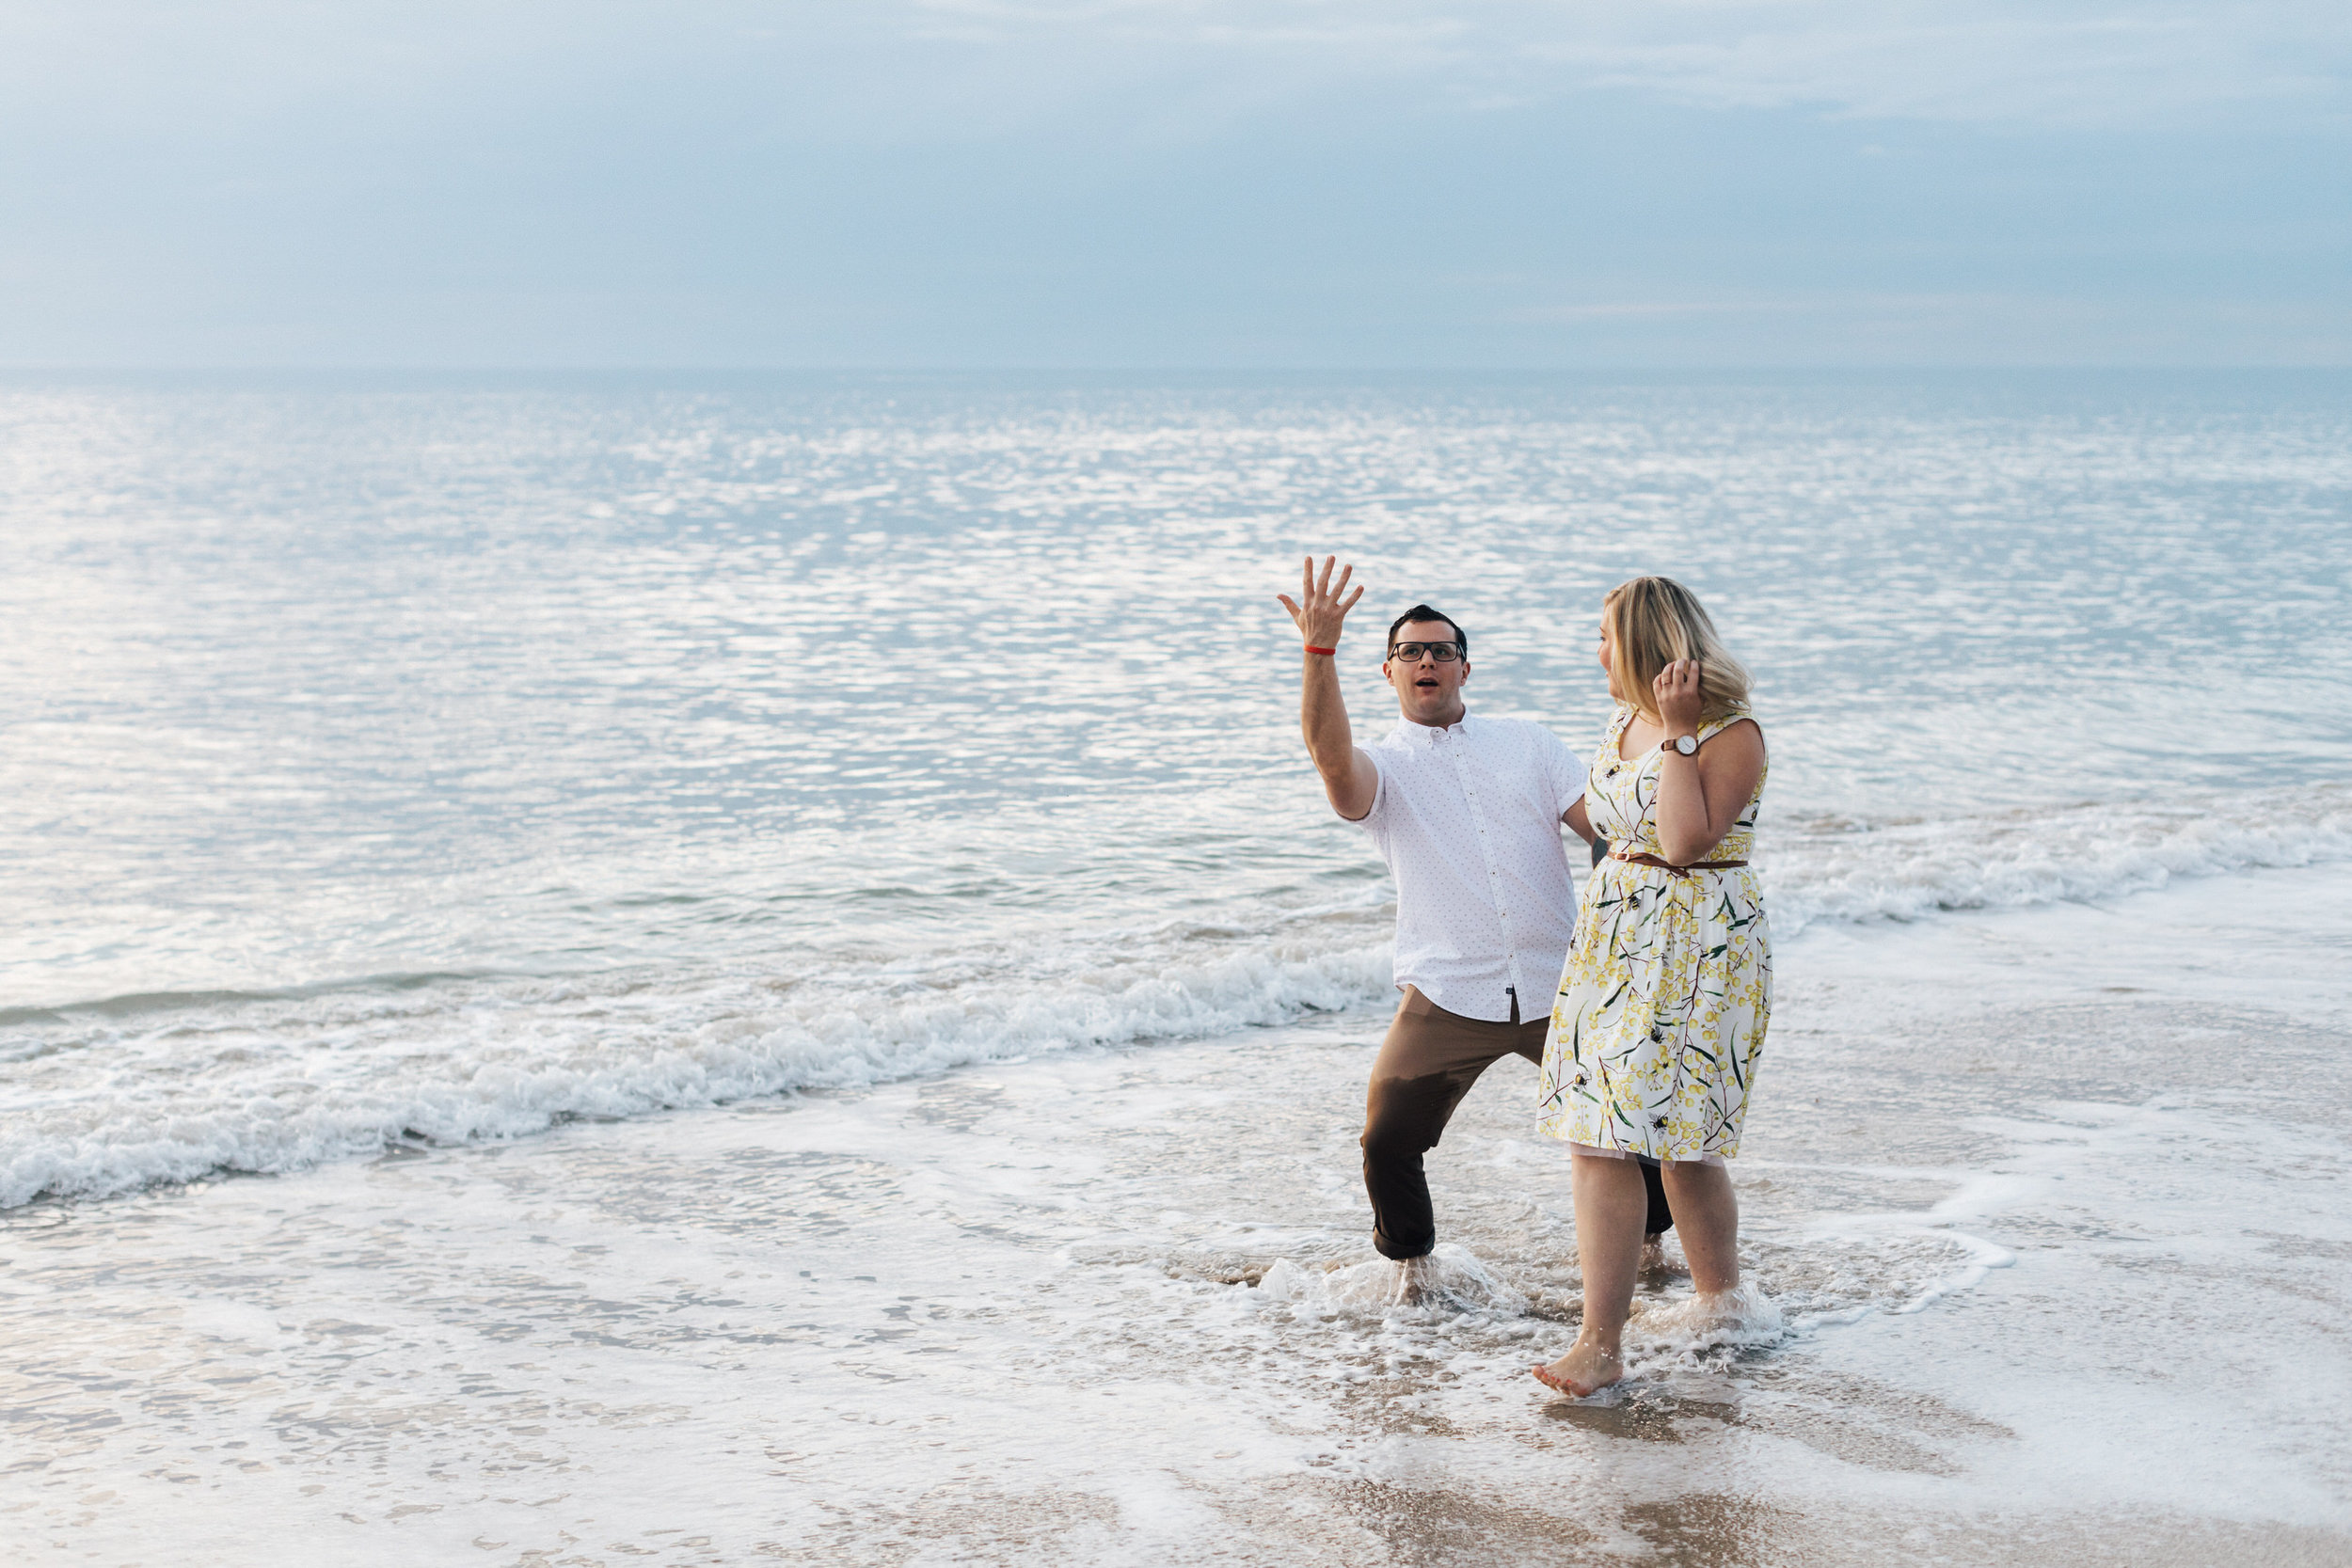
(1468,819)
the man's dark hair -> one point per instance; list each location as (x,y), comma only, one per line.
(1422,613)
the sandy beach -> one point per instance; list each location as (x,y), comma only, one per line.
(2050,1202)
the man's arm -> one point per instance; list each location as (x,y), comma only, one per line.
(1349,779)
(1569,773)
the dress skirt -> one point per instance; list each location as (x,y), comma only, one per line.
(1659,1022)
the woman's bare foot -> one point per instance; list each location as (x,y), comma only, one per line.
(1586,1370)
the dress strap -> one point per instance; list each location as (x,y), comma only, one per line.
(1715,727)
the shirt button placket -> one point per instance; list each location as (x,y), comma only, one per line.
(1494,876)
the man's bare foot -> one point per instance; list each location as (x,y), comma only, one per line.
(1585,1370)
(1654,1259)
(1416,1281)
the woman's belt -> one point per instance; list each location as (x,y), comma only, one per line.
(1669,865)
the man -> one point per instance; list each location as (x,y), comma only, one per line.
(1466,814)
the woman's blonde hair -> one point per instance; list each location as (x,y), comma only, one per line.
(1654,620)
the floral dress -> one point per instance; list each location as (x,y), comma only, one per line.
(1660,1016)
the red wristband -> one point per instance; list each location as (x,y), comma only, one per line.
(1327,653)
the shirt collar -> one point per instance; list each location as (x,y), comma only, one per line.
(1426,735)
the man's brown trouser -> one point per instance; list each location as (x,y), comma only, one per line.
(1428,1062)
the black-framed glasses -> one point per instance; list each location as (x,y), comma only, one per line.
(1444,653)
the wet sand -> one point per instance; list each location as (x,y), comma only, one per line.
(2052,1203)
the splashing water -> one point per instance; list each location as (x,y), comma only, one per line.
(1451,1281)
(1741,1318)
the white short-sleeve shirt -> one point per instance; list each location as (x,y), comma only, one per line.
(1468,819)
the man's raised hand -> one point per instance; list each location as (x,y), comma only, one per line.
(1320,608)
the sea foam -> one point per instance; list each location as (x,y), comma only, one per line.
(1452,1281)
(1826,869)
(100,1103)
(117,1094)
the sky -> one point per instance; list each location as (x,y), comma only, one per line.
(1213,184)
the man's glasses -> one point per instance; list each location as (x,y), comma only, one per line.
(1444,653)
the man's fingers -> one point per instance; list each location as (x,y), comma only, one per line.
(1284,599)
(1316,582)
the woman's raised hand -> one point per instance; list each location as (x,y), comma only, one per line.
(1676,692)
(1319,608)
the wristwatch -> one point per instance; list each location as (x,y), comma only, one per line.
(1687,744)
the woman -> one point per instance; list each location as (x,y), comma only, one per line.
(1662,1010)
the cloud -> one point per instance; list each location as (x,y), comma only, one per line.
(2054,62)
(2041,67)
(1656,310)
(1299,181)
(958,69)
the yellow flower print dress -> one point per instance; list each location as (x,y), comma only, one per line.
(1660,1016)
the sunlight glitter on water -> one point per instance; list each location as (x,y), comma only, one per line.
(489,807)
(450,761)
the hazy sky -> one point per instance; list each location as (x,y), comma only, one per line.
(1146,183)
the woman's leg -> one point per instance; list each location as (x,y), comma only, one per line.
(1611,1204)
(1706,1215)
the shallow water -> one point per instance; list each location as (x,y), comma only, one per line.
(2044,1277)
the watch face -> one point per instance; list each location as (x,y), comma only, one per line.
(1686,744)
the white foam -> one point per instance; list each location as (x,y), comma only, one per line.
(1743,1317)
(109,1098)
(100,1106)
(1451,1280)
(1840,870)
(1007,1322)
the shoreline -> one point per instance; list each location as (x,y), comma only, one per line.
(992,1313)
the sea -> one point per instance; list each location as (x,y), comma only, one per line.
(732,968)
